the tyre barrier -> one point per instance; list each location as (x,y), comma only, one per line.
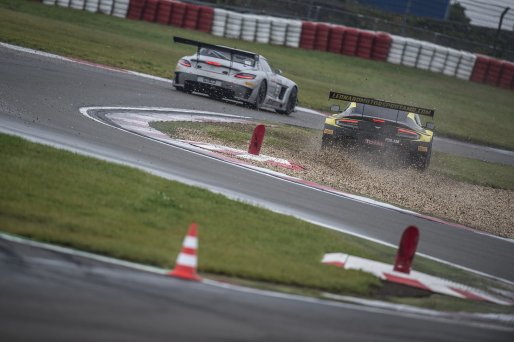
(426,53)
(452,62)
(351,38)
(278,31)
(164,12)
(335,42)
(105,6)
(234,25)
(191,17)
(480,69)
(365,44)
(396,51)
(77,4)
(205,19)
(381,46)
(219,22)
(466,65)
(493,72)
(120,8)
(150,10)
(411,52)
(63,3)
(263,31)
(308,35)
(92,6)
(507,76)
(178,11)
(249,28)
(294,33)
(321,37)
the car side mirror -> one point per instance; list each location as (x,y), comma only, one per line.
(430,126)
(278,71)
(335,108)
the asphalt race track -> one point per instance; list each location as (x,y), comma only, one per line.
(40,98)
(51,296)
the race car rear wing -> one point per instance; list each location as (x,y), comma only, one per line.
(379,103)
(227,49)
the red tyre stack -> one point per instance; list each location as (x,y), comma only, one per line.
(507,76)
(335,42)
(177,14)
(493,73)
(164,12)
(136,9)
(191,16)
(205,19)
(150,10)
(365,44)
(381,47)
(308,35)
(351,37)
(480,69)
(321,38)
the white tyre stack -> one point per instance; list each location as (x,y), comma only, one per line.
(106,6)
(49,2)
(263,30)
(120,8)
(234,25)
(425,55)
(452,62)
(396,50)
(63,3)
(278,31)
(219,22)
(92,5)
(439,59)
(411,53)
(294,33)
(249,27)
(466,65)
(77,4)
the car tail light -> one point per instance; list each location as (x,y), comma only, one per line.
(348,122)
(185,63)
(245,76)
(378,121)
(213,63)
(407,133)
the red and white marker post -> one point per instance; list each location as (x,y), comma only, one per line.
(407,250)
(257,139)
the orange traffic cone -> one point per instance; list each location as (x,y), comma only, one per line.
(185,267)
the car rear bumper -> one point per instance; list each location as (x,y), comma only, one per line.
(218,85)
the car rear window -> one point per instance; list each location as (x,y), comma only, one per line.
(245,60)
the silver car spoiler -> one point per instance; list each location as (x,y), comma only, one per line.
(230,50)
(379,103)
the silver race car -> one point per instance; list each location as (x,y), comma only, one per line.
(223,72)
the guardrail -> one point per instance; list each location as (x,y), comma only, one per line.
(309,35)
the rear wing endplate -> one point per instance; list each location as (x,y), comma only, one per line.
(379,103)
(200,45)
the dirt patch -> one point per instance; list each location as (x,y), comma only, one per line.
(483,208)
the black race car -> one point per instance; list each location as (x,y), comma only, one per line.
(381,126)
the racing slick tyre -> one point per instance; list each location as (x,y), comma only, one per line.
(291,103)
(261,96)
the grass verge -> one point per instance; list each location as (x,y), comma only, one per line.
(464,110)
(60,197)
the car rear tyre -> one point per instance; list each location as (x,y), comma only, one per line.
(291,102)
(261,96)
